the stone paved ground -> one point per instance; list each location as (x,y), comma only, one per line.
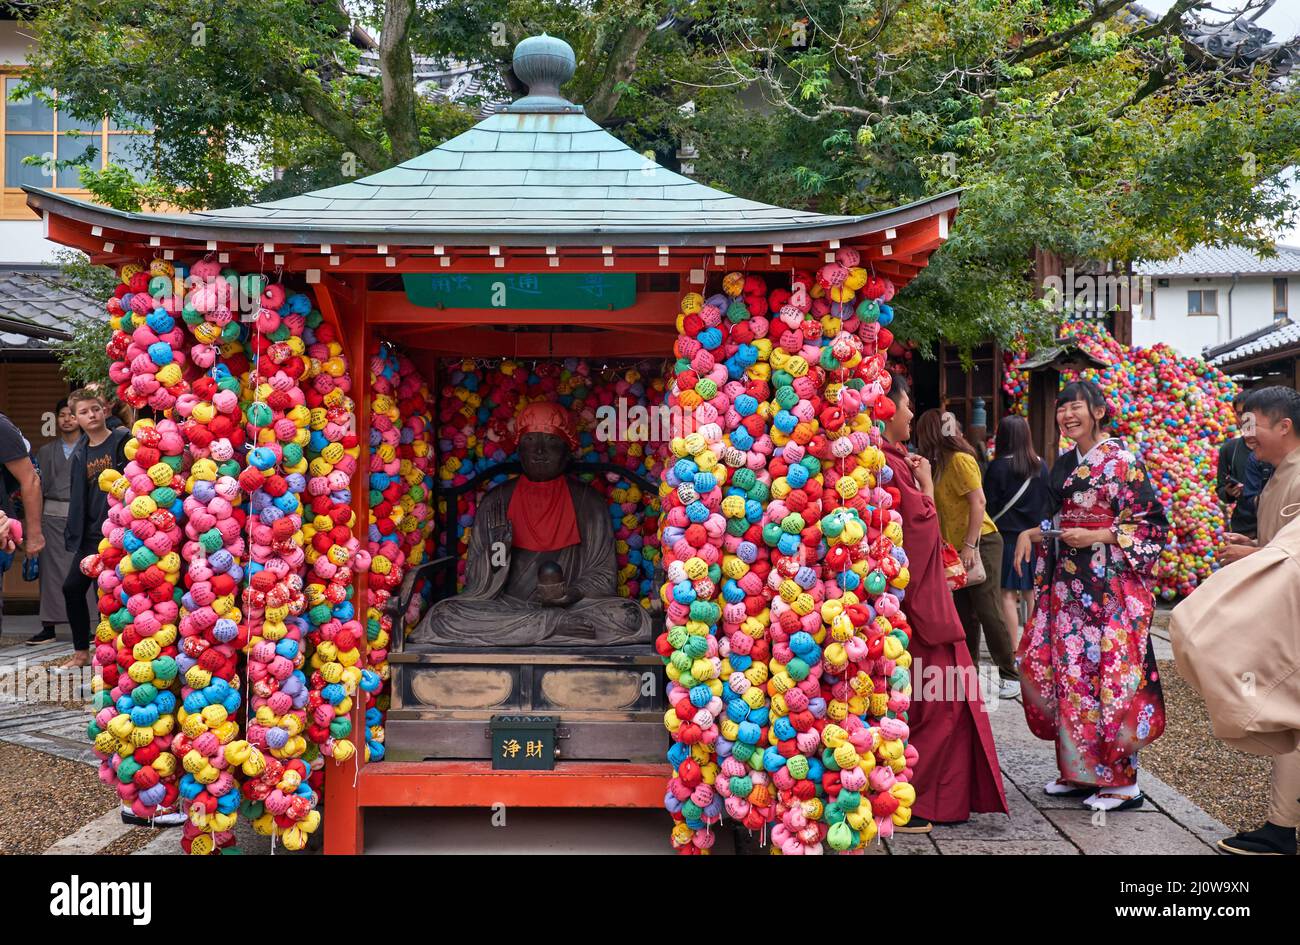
(1168,823)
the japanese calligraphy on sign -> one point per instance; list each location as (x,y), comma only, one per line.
(523,742)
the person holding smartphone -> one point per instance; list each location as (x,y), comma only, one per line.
(1088,673)
(1241,475)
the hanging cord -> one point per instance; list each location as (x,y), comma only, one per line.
(246,585)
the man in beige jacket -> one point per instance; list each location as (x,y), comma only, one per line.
(1237,638)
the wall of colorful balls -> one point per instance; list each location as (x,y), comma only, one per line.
(1176,411)
(230,646)
(785,644)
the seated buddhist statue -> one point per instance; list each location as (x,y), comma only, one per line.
(540,568)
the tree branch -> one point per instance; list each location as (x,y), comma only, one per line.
(317,104)
(618,69)
(1169,21)
(397,74)
(1157,79)
(1061,37)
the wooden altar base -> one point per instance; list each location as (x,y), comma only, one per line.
(609,701)
(475,784)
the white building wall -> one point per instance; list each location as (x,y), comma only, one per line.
(14,40)
(21,242)
(1251,309)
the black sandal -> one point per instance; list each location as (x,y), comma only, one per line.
(1261,842)
(1073,792)
(915,825)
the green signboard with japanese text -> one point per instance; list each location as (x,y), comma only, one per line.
(605,291)
(523,742)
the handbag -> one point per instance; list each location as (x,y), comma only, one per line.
(954,572)
(977,574)
(952,565)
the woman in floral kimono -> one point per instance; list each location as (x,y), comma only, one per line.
(1089,677)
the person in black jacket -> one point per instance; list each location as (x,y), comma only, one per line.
(98,449)
(1241,476)
(1017,488)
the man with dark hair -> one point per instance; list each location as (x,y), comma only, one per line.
(54,460)
(1241,476)
(1271,418)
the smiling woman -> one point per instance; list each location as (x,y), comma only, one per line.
(1089,676)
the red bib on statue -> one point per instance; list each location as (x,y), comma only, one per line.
(541,515)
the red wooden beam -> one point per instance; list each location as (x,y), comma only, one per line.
(343,820)
(77,235)
(912,244)
(487,343)
(475,784)
(923,239)
(650,308)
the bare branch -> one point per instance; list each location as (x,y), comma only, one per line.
(1170,21)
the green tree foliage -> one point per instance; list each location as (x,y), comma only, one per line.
(82,356)
(1073,126)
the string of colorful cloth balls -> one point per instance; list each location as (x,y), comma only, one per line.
(229,535)
(786,646)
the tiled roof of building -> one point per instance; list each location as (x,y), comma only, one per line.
(1206,260)
(1275,338)
(38,306)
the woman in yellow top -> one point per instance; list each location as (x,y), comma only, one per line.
(965,524)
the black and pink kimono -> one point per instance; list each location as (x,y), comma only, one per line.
(1089,675)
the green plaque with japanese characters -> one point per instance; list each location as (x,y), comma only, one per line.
(605,291)
(523,742)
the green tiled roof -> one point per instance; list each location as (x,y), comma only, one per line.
(527,172)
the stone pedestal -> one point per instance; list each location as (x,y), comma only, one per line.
(610,701)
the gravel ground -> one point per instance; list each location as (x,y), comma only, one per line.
(1230,785)
(33,814)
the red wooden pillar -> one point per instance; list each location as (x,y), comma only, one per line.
(343,817)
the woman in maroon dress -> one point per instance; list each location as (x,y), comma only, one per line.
(957,773)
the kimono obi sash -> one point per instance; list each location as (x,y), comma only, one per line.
(1079,520)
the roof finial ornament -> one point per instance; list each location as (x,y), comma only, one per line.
(543,63)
